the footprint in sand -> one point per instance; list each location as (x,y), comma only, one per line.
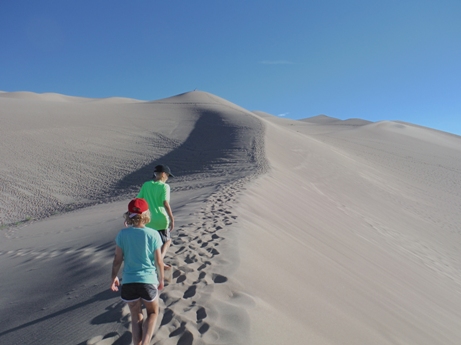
(213,251)
(200,277)
(197,246)
(180,250)
(190,292)
(219,279)
(204,328)
(201,314)
(181,278)
(202,266)
(190,260)
(167,316)
(164,297)
(179,330)
(186,339)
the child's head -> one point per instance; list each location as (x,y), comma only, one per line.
(138,213)
(162,172)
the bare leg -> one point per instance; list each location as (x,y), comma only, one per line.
(163,250)
(136,321)
(149,325)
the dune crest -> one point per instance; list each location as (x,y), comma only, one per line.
(56,97)
(47,97)
(199,98)
(321,119)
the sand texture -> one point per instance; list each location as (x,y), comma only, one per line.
(316,231)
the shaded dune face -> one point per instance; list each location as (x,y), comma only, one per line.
(63,153)
(226,140)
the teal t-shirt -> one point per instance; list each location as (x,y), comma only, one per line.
(139,246)
(155,193)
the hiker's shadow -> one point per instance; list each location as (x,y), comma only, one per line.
(102,296)
(125,339)
(114,313)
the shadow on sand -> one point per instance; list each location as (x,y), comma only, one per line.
(102,296)
(209,144)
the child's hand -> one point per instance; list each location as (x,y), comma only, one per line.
(115,284)
(160,285)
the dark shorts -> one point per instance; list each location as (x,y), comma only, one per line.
(164,235)
(134,291)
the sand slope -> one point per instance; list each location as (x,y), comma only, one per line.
(318,231)
(76,154)
(59,156)
(361,234)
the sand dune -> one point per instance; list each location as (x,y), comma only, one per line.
(318,231)
(74,155)
(48,97)
(364,243)
(327,120)
(62,156)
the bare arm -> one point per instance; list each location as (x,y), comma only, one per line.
(166,204)
(116,264)
(159,264)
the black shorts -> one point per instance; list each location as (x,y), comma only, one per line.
(134,291)
(164,235)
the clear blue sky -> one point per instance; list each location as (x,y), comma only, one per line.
(369,59)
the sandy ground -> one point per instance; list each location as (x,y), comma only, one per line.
(318,231)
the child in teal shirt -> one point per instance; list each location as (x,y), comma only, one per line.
(139,247)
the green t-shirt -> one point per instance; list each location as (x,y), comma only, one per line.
(155,193)
(139,246)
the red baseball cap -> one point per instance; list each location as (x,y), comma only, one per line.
(137,206)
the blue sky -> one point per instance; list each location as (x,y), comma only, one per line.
(369,59)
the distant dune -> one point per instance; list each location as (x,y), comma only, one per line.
(49,97)
(314,231)
(56,97)
(326,120)
(321,119)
